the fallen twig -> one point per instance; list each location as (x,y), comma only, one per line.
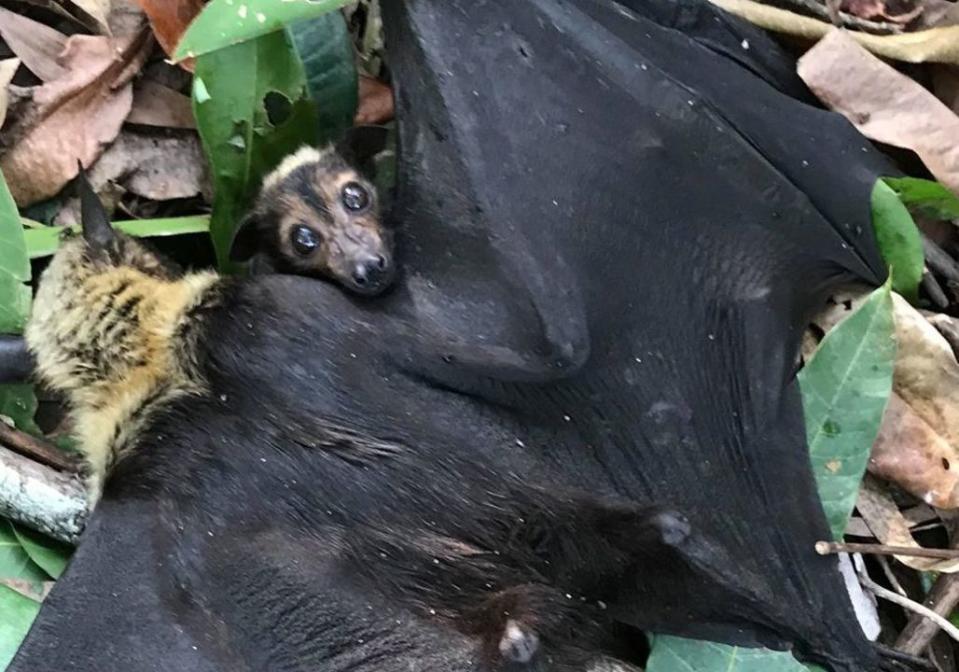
(908,604)
(36,449)
(942,599)
(831,547)
(48,501)
(891,576)
(934,290)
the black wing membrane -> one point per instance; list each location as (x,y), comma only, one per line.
(626,212)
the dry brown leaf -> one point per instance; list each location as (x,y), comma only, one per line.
(158,168)
(8,69)
(926,374)
(75,116)
(158,105)
(935,45)
(910,453)
(38,46)
(890,527)
(36,592)
(98,10)
(884,104)
(170,19)
(375,102)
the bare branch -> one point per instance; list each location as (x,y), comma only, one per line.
(830,547)
(41,498)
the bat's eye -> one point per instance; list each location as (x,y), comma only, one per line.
(305,240)
(355,197)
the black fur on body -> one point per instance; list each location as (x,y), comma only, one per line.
(319,216)
(257,520)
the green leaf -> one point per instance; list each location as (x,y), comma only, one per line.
(16,401)
(18,613)
(926,197)
(15,563)
(326,50)
(224,23)
(898,239)
(50,555)
(845,387)
(13,256)
(675,654)
(44,241)
(14,266)
(242,139)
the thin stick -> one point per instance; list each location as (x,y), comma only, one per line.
(36,449)
(890,576)
(934,290)
(908,604)
(942,599)
(830,547)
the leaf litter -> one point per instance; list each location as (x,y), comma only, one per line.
(138,138)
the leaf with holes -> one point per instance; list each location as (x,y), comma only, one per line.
(925,197)
(326,50)
(252,109)
(675,654)
(898,240)
(845,387)
(224,23)
(18,613)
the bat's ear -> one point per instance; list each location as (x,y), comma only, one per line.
(246,239)
(360,145)
(94,219)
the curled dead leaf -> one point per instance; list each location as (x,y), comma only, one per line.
(74,116)
(883,104)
